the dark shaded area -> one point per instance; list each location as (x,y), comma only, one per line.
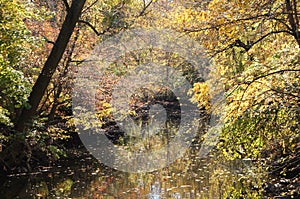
(285,177)
(68,177)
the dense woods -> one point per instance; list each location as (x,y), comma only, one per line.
(253,51)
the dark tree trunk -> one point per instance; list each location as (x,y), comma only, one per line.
(293,18)
(50,66)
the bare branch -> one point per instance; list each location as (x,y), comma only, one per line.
(145,7)
(93,28)
(284,23)
(268,34)
(48,41)
(90,6)
(78,61)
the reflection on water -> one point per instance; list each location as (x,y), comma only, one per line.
(189,177)
(155,191)
(84,177)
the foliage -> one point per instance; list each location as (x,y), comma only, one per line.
(15,44)
(255,49)
(201,95)
(15,36)
(256,55)
(245,181)
(14,89)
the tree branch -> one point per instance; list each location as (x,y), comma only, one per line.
(268,34)
(247,47)
(93,28)
(283,22)
(66,5)
(284,93)
(78,61)
(214,26)
(86,9)
(48,41)
(145,7)
(272,73)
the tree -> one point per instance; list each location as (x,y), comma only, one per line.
(51,64)
(255,48)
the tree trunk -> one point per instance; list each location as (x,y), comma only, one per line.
(293,19)
(50,66)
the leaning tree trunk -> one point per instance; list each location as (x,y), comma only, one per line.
(19,152)
(293,18)
(50,66)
